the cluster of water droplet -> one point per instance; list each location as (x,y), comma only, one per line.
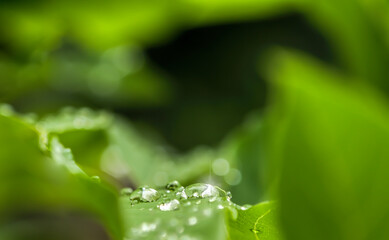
(174,195)
(71,118)
(187,207)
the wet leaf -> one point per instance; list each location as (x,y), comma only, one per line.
(194,212)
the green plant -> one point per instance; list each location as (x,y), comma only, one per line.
(318,151)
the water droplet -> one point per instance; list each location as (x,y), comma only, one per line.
(220,206)
(192,221)
(202,190)
(145,194)
(126,191)
(173,185)
(170,206)
(96,179)
(245,207)
(255,231)
(181,193)
(229,195)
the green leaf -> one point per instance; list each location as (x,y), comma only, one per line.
(149,163)
(104,143)
(257,222)
(329,143)
(81,130)
(193,216)
(63,156)
(37,185)
(244,150)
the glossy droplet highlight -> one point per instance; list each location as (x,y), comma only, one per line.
(145,194)
(96,179)
(173,185)
(170,206)
(245,207)
(126,191)
(202,190)
(229,195)
(181,193)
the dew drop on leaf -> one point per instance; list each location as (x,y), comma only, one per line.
(220,206)
(145,194)
(181,193)
(245,207)
(126,191)
(229,195)
(170,206)
(173,185)
(202,190)
(96,179)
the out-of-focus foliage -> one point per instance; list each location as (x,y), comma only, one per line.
(330,143)
(41,178)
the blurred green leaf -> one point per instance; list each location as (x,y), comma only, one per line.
(243,148)
(33,183)
(358,35)
(329,145)
(82,130)
(149,162)
(256,222)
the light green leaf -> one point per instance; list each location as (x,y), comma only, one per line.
(256,222)
(329,146)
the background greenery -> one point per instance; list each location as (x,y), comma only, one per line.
(281,100)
